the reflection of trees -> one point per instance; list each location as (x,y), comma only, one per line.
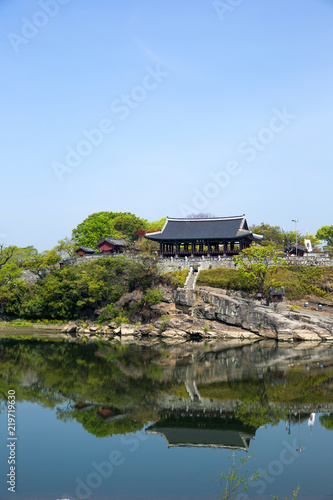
(259,414)
(92,423)
(52,373)
(130,378)
(327,421)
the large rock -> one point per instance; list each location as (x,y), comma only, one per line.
(173,333)
(127,329)
(70,328)
(275,322)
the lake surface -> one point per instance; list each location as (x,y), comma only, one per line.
(158,422)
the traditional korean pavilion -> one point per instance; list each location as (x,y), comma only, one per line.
(112,245)
(85,251)
(203,237)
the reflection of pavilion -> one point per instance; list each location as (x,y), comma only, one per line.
(202,429)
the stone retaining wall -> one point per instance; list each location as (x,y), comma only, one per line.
(175,264)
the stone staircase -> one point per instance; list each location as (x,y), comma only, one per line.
(191,279)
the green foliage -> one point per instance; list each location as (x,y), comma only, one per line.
(259,414)
(20,255)
(326,233)
(294,494)
(146,247)
(276,237)
(41,263)
(253,265)
(273,235)
(228,279)
(164,323)
(128,224)
(77,291)
(95,425)
(235,480)
(327,421)
(95,227)
(107,224)
(65,248)
(152,297)
(158,224)
(6,254)
(300,282)
(119,376)
(177,278)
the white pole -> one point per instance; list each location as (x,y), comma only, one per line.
(295,220)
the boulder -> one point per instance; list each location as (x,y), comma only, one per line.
(127,329)
(170,333)
(70,328)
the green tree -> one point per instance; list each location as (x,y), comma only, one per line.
(96,227)
(157,224)
(327,421)
(6,253)
(273,235)
(65,248)
(235,480)
(107,224)
(42,263)
(128,224)
(326,233)
(253,264)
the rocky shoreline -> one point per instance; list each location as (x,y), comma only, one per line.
(209,314)
(203,314)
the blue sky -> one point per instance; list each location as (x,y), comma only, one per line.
(222,107)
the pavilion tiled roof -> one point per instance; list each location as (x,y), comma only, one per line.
(114,241)
(217,228)
(86,249)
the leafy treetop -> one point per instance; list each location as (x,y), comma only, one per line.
(326,233)
(253,264)
(107,224)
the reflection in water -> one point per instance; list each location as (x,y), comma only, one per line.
(205,429)
(117,389)
(200,398)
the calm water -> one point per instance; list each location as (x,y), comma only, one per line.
(159,422)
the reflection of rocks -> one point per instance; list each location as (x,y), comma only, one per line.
(131,371)
(220,362)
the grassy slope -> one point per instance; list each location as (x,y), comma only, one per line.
(300,282)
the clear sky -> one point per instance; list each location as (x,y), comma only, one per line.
(164,108)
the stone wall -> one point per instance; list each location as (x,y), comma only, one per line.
(175,264)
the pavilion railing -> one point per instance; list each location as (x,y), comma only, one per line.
(198,253)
